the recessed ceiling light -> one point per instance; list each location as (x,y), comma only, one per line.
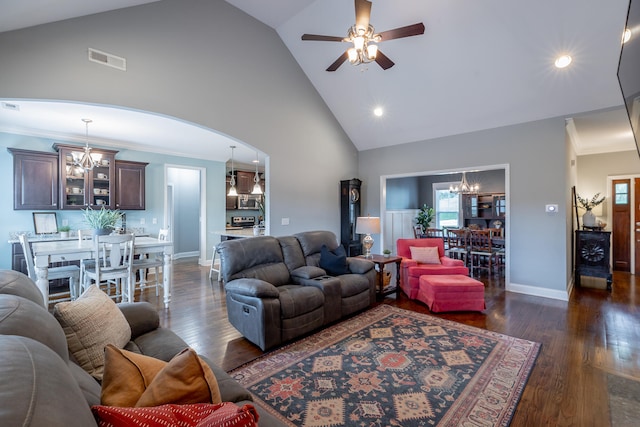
(563,61)
(626,35)
(378,111)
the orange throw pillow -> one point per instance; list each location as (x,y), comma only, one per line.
(132,379)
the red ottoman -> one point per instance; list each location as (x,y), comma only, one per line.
(453,292)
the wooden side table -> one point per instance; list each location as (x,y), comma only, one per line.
(381,261)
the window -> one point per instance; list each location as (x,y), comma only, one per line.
(622,194)
(447,206)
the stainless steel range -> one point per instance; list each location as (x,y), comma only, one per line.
(243,221)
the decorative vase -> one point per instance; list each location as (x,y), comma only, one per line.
(64,234)
(101,231)
(589,219)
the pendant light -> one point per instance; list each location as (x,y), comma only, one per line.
(232,181)
(86,162)
(256,179)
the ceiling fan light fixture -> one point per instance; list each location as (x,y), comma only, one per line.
(372,51)
(353,55)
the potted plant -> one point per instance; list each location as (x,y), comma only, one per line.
(386,253)
(425,216)
(64,231)
(589,218)
(103,221)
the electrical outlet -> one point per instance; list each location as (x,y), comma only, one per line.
(154,221)
(65,222)
(142,221)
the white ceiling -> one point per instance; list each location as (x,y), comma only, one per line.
(479,65)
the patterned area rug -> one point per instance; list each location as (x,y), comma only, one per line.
(393,367)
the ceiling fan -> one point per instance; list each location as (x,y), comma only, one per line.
(364,39)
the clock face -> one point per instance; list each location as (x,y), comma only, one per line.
(592,252)
(354,195)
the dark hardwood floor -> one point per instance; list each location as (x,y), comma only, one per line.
(594,334)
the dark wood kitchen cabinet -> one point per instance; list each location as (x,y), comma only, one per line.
(35,180)
(244,182)
(130,185)
(80,189)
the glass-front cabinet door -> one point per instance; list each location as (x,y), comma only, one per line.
(81,188)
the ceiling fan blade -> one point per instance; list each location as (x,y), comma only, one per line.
(398,33)
(363,13)
(384,61)
(338,62)
(320,38)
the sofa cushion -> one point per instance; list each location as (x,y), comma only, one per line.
(90,323)
(196,415)
(353,284)
(16,283)
(308,272)
(19,316)
(37,388)
(298,300)
(425,255)
(132,379)
(334,262)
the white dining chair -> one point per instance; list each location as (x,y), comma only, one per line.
(213,269)
(112,256)
(71,272)
(145,263)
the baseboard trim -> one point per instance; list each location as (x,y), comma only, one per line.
(538,292)
(186,255)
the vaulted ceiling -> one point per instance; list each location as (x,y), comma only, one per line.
(478,65)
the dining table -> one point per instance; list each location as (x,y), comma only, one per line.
(48,252)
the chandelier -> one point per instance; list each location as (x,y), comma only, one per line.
(464,187)
(362,52)
(85,161)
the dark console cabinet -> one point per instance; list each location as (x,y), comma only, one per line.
(593,249)
(349,212)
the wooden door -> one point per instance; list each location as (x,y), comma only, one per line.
(621,226)
(636,228)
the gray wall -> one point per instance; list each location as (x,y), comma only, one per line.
(536,156)
(204,62)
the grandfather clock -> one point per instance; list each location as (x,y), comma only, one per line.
(349,211)
(592,255)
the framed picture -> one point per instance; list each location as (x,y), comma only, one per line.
(45,222)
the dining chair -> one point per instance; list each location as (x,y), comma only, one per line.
(145,263)
(481,253)
(434,232)
(458,244)
(418,232)
(213,262)
(86,234)
(112,256)
(71,272)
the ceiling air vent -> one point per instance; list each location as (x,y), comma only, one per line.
(107,59)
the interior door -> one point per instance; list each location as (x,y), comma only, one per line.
(636,232)
(621,227)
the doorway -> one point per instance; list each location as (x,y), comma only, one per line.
(624,214)
(185,211)
(397,222)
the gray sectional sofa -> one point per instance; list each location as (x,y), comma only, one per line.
(277,290)
(41,384)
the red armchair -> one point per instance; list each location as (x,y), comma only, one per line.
(411,270)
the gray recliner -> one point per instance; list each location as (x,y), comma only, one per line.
(262,301)
(276,290)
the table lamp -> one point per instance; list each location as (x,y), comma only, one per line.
(367,225)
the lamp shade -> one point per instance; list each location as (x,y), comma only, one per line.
(368,225)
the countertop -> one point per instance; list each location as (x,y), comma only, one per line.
(240,232)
